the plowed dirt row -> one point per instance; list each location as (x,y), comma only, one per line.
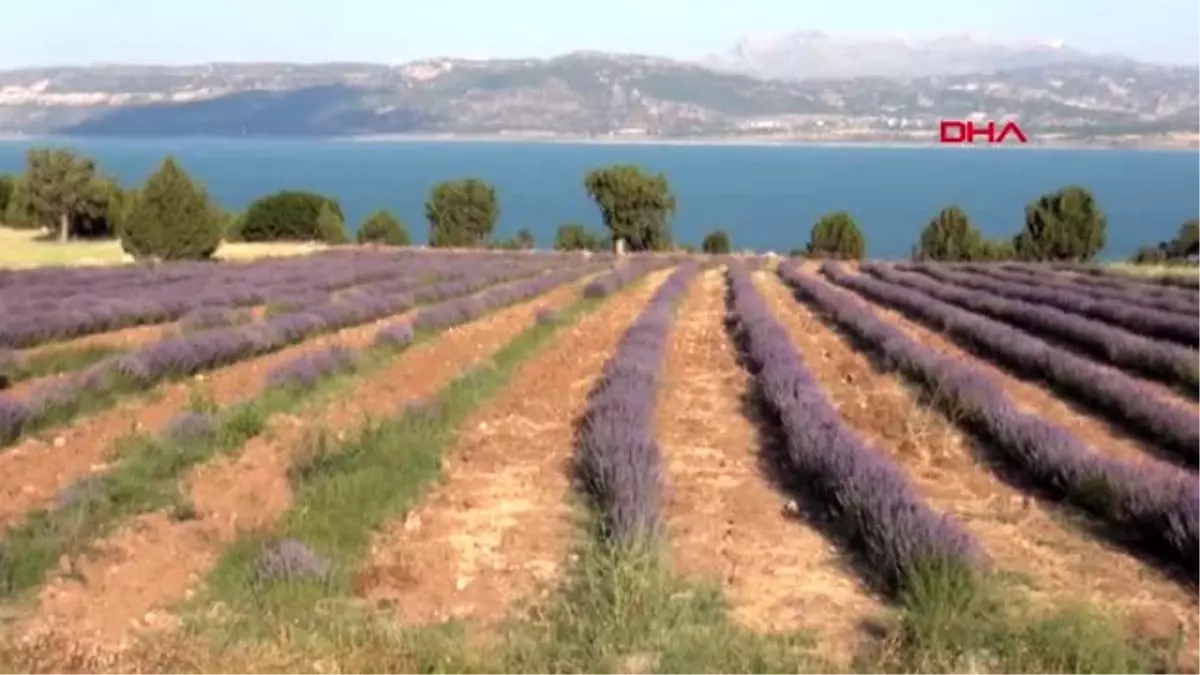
(499,524)
(1058,562)
(37,468)
(727,522)
(154,561)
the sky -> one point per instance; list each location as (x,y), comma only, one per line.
(62,32)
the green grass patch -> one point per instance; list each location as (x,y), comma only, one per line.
(950,621)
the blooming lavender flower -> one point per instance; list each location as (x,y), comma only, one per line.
(190,426)
(290,560)
(308,368)
(396,335)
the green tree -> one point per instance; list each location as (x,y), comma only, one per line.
(716,241)
(836,235)
(331,228)
(290,215)
(996,250)
(636,206)
(383,228)
(1187,239)
(462,213)
(523,240)
(576,237)
(950,237)
(7,185)
(61,186)
(172,218)
(1063,225)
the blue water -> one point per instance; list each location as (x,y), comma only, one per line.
(766,197)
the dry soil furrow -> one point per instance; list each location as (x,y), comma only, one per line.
(499,524)
(155,561)
(726,520)
(37,468)
(1058,562)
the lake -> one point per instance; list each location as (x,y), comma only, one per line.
(766,197)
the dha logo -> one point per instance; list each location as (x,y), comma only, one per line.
(966,131)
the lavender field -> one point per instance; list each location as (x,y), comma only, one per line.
(372,460)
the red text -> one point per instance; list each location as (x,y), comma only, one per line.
(965,131)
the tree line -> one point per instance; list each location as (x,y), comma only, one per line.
(172,217)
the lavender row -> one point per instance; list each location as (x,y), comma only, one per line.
(1118,278)
(1159,504)
(465,309)
(92,314)
(1120,397)
(205,350)
(622,276)
(1164,361)
(1047,278)
(1151,323)
(66,291)
(871,497)
(617,457)
(310,367)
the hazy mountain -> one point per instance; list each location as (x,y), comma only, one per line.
(814,54)
(584,94)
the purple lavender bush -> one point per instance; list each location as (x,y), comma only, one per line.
(290,560)
(13,416)
(190,426)
(1152,323)
(617,457)
(1153,502)
(1146,296)
(395,336)
(871,498)
(1165,361)
(1123,399)
(307,369)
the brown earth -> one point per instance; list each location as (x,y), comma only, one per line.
(499,525)
(726,520)
(37,468)
(155,561)
(1058,562)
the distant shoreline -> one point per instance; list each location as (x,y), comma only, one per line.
(751,141)
(1177,145)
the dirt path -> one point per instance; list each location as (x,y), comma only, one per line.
(726,521)
(154,561)
(499,524)
(37,468)
(1059,563)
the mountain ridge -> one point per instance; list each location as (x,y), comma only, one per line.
(590,94)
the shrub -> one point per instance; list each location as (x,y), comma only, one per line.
(288,215)
(950,237)
(383,228)
(1063,225)
(331,229)
(172,218)
(575,237)
(461,213)
(836,235)
(716,241)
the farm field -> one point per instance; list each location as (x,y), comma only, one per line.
(372,460)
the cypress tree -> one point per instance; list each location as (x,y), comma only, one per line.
(171,218)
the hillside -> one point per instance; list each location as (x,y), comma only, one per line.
(585,94)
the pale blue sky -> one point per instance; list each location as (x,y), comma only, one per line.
(43,32)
